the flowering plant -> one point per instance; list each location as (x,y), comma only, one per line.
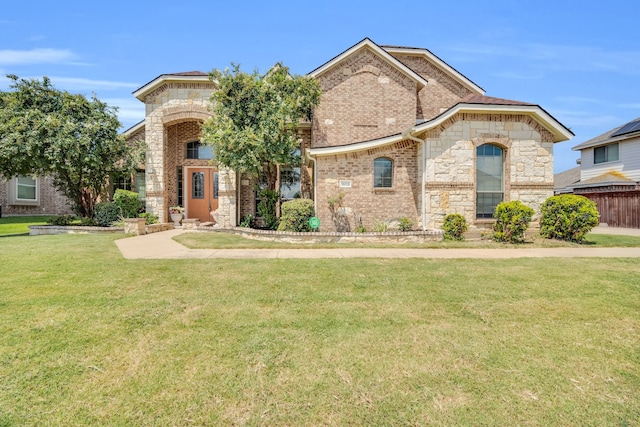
(176,210)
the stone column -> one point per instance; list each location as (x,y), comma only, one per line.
(227,203)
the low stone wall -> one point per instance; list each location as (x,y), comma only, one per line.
(45,230)
(328,237)
(138,226)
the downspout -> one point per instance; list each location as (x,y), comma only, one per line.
(315,190)
(407,134)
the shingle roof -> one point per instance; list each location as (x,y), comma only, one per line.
(189,73)
(610,178)
(565,179)
(605,137)
(490,100)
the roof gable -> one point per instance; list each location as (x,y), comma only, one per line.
(433,59)
(184,77)
(377,50)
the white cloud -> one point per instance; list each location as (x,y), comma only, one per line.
(79,83)
(35,56)
(130,111)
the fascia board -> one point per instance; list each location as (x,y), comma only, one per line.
(378,50)
(166,78)
(560,133)
(621,138)
(352,148)
(133,129)
(440,63)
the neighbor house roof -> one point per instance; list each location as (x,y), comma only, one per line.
(184,77)
(563,181)
(370,45)
(608,137)
(604,180)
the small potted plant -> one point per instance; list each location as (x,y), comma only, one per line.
(176,213)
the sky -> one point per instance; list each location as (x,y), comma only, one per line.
(578,60)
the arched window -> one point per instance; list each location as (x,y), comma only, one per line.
(382,173)
(489,179)
(196,150)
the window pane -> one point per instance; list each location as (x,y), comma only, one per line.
(205,152)
(141,185)
(489,179)
(612,152)
(215,185)
(197,185)
(290,183)
(382,173)
(599,155)
(26,188)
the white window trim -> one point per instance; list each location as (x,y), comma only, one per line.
(13,193)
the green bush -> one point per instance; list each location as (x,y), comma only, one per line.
(405,224)
(61,220)
(454,226)
(106,213)
(128,202)
(149,217)
(296,214)
(247,221)
(512,220)
(267,208)
(88,222)
(568,217)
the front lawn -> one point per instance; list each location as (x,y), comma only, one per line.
(19,224)
(89,338)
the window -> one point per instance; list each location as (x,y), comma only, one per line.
(196,150)
(121,183)
(141,188)
(489,179)
(289,183)
(606,153)
(24,190)
(382,173)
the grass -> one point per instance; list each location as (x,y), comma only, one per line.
(13,225)
(221,240)
(88,338)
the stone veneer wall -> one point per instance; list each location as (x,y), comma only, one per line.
(450,177)
(363,98)
(52,202)
(361,201)
(168,105)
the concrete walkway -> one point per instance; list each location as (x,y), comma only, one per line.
(162,246)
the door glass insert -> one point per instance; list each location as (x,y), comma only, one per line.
(215,185)
(197,185)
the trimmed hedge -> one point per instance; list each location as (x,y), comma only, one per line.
(296,214)
(106,213)
(512,220)
(128,202)
(454,226)
(568,217)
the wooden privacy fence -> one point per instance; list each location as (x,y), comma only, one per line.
(618,208)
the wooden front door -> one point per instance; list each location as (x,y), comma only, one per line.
(201,185)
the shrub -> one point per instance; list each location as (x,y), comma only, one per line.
(296,214)
(247,221)
(380,226)
(149,217)
(88,222)
(128,202)
(267,208)
(61,220)
(512,220)
(405,224)
(568,217)
(106,213)
(454,226)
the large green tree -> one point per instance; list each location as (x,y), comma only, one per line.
(255,119)
(45,131)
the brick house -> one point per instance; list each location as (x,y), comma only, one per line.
(398,133)
(27,195)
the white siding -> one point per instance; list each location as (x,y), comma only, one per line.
(628,165)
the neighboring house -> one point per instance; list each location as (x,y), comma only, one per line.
(563,181)
(27,195)
(398,132)
(610,173)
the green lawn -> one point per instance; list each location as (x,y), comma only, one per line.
(19,224)
(88,338)
(222,240)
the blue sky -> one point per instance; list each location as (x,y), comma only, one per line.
(579,60)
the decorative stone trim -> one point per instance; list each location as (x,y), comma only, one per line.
(329,237)
(432,185)
(46,230)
